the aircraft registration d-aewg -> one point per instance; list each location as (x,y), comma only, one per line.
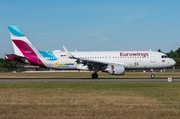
(114,62)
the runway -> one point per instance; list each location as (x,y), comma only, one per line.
(87,80)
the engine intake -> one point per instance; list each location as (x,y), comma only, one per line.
(116,69)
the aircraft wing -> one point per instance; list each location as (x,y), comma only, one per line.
(92,64)
(92,61)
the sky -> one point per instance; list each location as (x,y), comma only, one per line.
(93,25)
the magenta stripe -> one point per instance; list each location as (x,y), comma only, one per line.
(10,58)
(29,53)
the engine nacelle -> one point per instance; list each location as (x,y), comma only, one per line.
(116,69)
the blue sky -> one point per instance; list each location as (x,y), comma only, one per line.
(93,25)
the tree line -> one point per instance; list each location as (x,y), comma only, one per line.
(175,55)
(5,63)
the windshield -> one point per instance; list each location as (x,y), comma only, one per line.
(164,56)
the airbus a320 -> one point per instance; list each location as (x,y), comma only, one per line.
(113,62)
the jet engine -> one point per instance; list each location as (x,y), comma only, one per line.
(116,69)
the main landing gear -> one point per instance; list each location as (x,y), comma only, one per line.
(94,75)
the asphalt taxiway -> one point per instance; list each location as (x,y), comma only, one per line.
(88,80)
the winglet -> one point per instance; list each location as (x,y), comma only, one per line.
(68,53)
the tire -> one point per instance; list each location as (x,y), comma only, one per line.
(152,75)
(94,75)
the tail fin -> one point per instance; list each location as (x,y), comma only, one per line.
(23,47)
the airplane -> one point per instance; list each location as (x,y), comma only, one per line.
(113,62)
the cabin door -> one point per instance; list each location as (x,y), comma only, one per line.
(152,57)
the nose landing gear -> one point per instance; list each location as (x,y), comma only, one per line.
(152,73)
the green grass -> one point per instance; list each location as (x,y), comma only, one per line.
(165,92)
(89,100)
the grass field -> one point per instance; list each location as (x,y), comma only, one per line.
(90,100)
(86,75)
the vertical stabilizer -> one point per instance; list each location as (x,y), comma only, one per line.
(20,41)
(23,47)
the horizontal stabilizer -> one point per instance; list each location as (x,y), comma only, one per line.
(15,56)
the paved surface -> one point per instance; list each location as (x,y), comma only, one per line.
(88,80)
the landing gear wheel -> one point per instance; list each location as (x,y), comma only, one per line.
(94,75)
(152,75)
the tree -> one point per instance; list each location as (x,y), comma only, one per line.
(5,63)
(159,50)
(178,52)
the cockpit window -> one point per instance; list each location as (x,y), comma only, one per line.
(164,56)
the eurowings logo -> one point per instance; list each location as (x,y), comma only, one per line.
(57,64)
(134,54)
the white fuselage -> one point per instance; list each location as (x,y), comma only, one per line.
(131,59)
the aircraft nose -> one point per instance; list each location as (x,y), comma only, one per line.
(173,62)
